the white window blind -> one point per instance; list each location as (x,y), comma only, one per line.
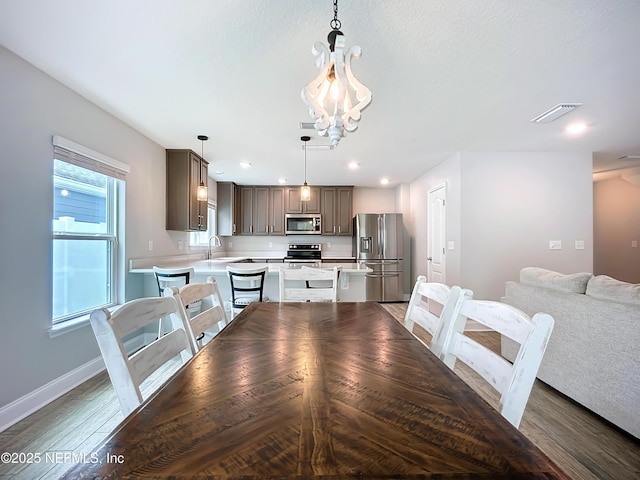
(81,156)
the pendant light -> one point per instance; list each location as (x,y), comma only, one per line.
(203,194)
(305,190)
(335,97)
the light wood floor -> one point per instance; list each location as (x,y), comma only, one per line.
(581,443)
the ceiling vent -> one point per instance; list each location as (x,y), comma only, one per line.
(629,157)
(320,147)
(555,112)
(307,125)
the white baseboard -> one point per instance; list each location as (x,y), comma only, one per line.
(24,406)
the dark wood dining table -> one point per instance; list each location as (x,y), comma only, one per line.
(316,390)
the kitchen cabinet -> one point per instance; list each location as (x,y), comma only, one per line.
(293,203)
(185,170)
(228,209)
(246,210)
(262,210)
(337,210)
(276,210)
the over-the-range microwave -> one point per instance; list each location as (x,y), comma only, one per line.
(302,224)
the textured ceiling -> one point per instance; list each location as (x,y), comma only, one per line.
(446,76)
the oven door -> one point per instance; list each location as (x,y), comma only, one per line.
(302,224)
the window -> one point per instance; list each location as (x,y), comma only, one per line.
(201,239)
(86,227)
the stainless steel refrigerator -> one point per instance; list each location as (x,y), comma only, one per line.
(378,244)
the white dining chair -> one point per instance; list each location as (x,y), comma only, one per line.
(293,284)
(247,287)
(212,318)
(513,381)
(431,306)
(174,277)
(128,372)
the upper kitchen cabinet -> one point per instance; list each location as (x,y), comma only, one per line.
(185,170)
(276,210)
(228,209)
(337,210)
(262,211)
(294,204)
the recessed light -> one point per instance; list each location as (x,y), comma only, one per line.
(576,128)
(282,180)
(354,165)
(245,164)
(384,181)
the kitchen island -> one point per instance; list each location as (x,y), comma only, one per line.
(351,284)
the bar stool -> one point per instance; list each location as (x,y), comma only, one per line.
(247,287)
(175,277)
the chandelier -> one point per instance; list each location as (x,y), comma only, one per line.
(335,97)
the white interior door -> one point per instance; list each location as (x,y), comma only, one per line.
(436,264)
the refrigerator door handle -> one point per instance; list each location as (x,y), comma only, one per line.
(380,237)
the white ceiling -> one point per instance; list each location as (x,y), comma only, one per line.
(446,76)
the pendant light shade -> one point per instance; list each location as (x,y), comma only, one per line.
(203,193)
(305,190)
(335,97)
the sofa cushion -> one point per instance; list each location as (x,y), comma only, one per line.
(541,277)
(603,287)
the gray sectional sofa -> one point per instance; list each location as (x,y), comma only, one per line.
(593,355)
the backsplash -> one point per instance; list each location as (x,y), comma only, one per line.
(331,246)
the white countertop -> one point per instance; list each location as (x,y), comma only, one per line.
(219,266)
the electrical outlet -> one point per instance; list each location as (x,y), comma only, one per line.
(270,244)
(230,244)
(555,244)
(150,245)
(634,243)
(180,245)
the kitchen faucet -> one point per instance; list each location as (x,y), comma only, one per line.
(216,243)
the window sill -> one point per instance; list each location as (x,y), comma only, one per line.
(73,324)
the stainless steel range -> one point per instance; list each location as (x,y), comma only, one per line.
(309,254)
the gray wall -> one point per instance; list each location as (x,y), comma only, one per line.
(616,225)
(502,210)
(34,107)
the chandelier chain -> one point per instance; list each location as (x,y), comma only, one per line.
(335,24)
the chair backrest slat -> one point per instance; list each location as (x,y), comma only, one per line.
(148,359)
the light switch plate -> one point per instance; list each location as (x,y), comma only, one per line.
(579,244)
(451,245)
(555,244)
